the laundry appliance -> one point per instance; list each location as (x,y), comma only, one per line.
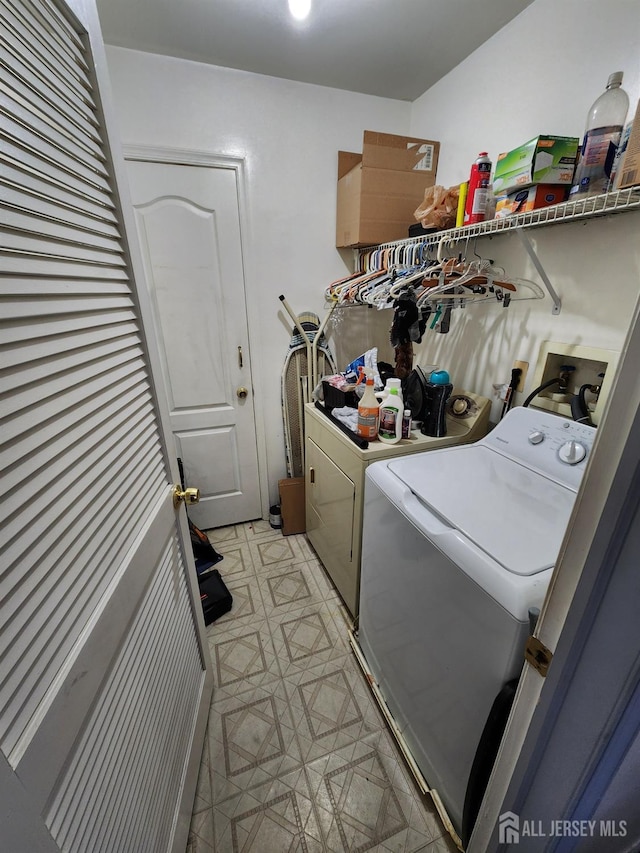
(458,548)
(334,480)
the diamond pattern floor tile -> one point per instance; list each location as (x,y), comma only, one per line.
(275,817)
(331,707)
(224,536)
(275,552)
(365,801)
(243,657)
(252,739)
(298,757)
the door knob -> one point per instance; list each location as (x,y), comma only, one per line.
(241,392)
(189,496)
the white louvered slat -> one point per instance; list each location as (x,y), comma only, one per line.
(103,677)
(42,98)
(77,420)
(41,349)
(52,479)
(36,31)
(46,18)
(55,147)
(31,371)
(120,749)
(69,75)
(58,24)
(30,190)
(14,241)
(29,263)
(62,229)
(45,161)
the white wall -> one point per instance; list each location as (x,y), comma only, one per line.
(539,74)
(289,135)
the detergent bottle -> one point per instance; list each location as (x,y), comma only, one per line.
(391,412)
(368,409)
(392,382)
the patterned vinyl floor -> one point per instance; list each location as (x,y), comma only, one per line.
(298,758)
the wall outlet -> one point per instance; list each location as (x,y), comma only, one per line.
(524,366)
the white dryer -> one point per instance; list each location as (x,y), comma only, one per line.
(458,545)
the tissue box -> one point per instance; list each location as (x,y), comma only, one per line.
(541,160)
(530,198)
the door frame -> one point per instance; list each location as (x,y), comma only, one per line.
(584,580)
(195,157)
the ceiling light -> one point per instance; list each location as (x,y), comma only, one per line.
(299,9)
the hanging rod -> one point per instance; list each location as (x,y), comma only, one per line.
(617,201)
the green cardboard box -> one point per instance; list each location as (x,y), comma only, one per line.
(541,160)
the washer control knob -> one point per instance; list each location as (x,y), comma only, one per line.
(536,437)
(572,452)
(460,406)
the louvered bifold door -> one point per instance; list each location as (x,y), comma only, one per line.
(102,667)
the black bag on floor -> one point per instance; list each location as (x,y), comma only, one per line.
(205,554)
(214,595)
(203,551)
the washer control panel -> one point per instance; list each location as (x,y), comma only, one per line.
(554,446)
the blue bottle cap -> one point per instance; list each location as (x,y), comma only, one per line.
(439,377)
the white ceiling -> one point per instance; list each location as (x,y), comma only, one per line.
(391,48)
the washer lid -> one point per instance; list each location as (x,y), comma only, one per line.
(515,515)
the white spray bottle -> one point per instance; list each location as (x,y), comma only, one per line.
(391,412)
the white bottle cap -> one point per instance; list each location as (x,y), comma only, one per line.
(615,79)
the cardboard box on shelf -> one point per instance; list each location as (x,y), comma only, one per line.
(629,169)
(379,189)
(292,505)
(530,198)
(541,160)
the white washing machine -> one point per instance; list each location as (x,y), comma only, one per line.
(458,545)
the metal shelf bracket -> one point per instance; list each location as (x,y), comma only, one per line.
(526,242)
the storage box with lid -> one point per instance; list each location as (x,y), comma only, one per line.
(379,190)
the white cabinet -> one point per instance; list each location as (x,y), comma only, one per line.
(334,484)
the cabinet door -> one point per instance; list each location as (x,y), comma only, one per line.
(330,497)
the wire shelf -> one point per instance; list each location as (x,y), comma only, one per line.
(568,211)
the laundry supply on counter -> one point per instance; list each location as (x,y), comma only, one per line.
(391,413)
(368,410)
(347,416)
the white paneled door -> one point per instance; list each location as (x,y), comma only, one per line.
(105,678)
(189,228)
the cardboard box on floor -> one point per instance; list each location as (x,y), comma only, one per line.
(292,507)
(379,190)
